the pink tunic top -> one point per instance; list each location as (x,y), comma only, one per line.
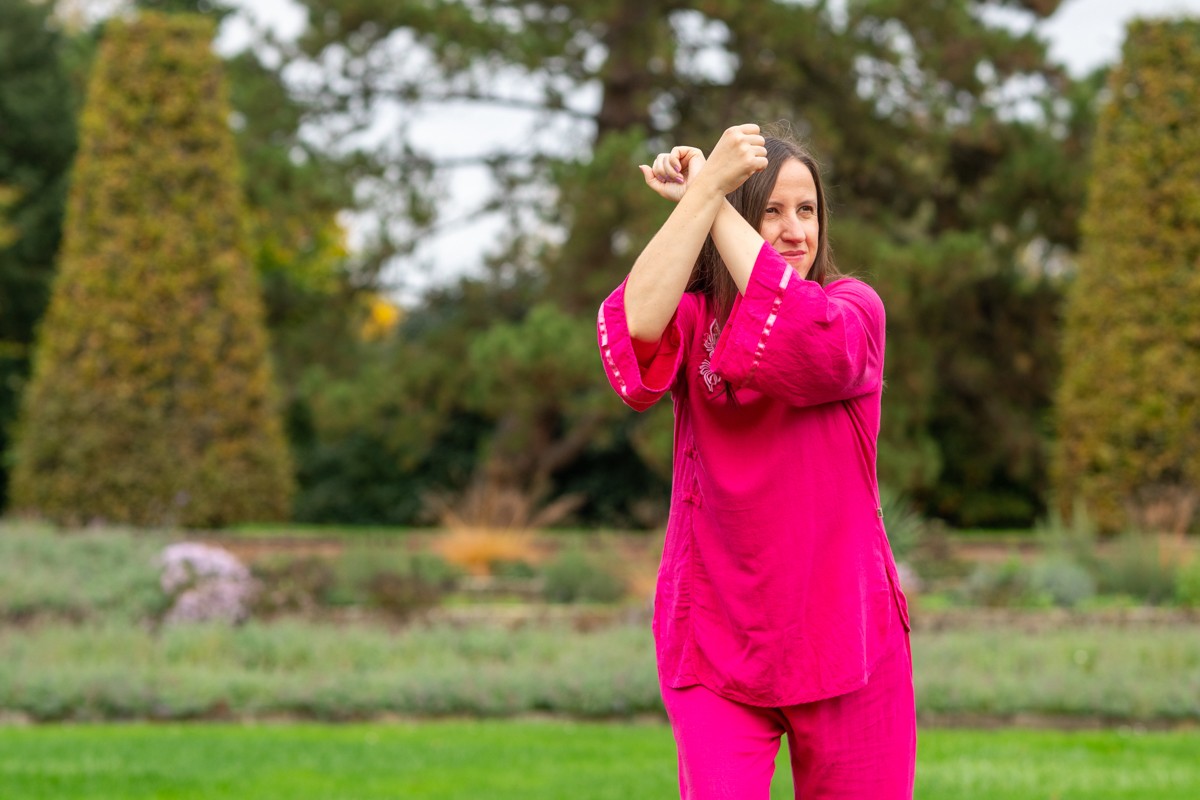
(777,584)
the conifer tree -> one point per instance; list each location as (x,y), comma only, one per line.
(38,104)
(151,400)
(1129,403)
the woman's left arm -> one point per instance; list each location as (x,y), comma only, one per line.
(798,341)
(737,242)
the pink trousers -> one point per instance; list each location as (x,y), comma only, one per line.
(861,745)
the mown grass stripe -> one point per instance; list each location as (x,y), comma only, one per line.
(505,760)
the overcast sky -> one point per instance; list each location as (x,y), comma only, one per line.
(1085,34)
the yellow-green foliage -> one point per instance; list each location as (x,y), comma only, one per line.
(1129,404)
(152,400)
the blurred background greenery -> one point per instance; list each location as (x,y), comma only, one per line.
(958,156)
(398,501)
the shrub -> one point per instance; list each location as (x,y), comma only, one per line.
(1052,580)
(477,550)
(1061,581)
(328,671)
(292,584)
(576,577)
(1128,420)
(902,521)
(402,595)
(325,671)
(83,576)
(517,569)
(151,399)
(933,556)
(1004,584)
(1187,585)
(205,584)
(392,580)
(1135,566)
(1075,539)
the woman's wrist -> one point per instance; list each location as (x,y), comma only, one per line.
(706,187)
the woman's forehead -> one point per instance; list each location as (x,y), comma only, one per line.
(794,178)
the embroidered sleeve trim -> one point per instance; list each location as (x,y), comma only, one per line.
(770,323)
(609,360)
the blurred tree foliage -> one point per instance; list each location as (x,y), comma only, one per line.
(954,154)
(38,101)
(293,193)
(318,297)
(1129,406)
(151,400)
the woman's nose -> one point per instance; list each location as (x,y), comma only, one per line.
(793,231)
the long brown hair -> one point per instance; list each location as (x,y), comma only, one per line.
(710,277)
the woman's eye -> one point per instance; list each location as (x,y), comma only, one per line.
(771,211)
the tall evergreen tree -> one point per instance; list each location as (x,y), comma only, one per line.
(151,400)
(293,194)
(37,143)
(1129,403)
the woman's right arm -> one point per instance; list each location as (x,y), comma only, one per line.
(660,274)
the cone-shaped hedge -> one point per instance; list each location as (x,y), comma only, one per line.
(1129,403)
(151,401)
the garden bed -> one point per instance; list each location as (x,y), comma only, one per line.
(340,632)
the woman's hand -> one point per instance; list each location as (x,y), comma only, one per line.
(740,153)
(661,273)
(673,172)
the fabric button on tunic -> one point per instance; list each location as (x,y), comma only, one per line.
(777,584)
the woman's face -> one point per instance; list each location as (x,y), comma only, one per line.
(790,223)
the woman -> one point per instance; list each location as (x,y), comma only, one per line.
(778,608)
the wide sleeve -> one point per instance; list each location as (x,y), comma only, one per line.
(642,372)
(800,342)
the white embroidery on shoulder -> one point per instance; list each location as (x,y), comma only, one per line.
(711,379)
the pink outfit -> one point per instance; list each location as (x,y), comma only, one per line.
(777,584)
(856,746)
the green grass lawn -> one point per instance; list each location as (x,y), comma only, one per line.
(498,760)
